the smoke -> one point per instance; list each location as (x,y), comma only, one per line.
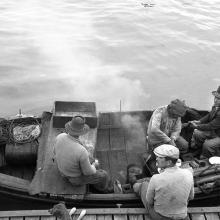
(136,132)
(67,52)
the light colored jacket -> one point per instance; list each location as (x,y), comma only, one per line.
(162,128)
(72,157)
(169,192)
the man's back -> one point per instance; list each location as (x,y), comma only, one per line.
(170,191)
(69,153)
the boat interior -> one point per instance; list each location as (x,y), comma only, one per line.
(116,139)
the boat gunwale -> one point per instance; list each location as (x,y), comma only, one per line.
(103,211)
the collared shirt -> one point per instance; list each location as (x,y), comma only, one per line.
(72,157)
(169,192)
(162,127)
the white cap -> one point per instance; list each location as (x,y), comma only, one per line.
(167,150)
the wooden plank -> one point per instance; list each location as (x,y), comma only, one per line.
(32,218)
(14,182)
(107,197)
(136,217)
(103,140)
(104,119)
(16,218)
(212,216)
(120,217)
(117,139)
(118,165)
(101,211)
(86,217)
(204,209)
(104,217)
(48,218)
(147,217)
(115,119)
(4,218)
(197,216)
(106,213)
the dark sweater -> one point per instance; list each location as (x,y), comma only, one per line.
(211,121)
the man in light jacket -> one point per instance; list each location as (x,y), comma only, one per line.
(165,126)
(166,195)
(73,159)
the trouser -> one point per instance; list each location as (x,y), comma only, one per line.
(208,141)
(99,180)
(182,145)
(180,142)
(141,190)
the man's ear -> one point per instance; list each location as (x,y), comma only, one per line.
(169,162)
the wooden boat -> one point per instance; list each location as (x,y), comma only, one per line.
(196,213)
(29,178)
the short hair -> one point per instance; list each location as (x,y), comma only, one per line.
(173,160)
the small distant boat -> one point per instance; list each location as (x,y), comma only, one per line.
(29,178)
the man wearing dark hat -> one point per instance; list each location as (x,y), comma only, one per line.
(166,195)
(165,126)
(73,159)
(206,135)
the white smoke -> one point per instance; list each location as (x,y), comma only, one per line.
(67,48)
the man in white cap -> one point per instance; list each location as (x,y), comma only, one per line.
(73,159)
(206,135)
(166,195)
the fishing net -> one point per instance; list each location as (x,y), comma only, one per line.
(24,132)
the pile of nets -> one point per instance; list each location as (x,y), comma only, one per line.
(20,131)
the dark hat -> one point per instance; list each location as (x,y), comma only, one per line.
(167,150)
(77,126)
(178,107)
(216,93)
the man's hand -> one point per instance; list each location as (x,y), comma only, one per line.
(172,142)
(194,124)
(95,163)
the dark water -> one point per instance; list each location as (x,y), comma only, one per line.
(143,52)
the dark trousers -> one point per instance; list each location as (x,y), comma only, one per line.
(99,180)
(208,141)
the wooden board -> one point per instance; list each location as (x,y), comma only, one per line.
(121,140)
(209,213)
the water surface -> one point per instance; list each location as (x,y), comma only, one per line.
(142,52)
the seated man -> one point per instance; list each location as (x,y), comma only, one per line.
(73,159)
(166,195)
(206,135)
(165,126)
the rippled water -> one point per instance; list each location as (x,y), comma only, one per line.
(143,52)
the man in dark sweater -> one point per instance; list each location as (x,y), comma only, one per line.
(207,130)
